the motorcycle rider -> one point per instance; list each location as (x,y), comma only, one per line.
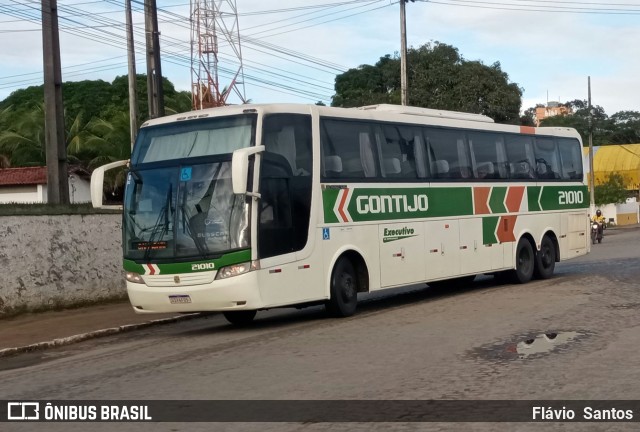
(599,219)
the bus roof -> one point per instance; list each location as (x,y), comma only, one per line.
(381,112)
(428,112)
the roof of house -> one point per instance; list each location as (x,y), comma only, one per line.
(23,176)
(34,175)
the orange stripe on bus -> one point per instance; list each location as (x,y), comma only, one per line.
(514,198)
(527,130)
(480,198)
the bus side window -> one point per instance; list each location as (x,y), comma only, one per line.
(520,155)
(571,156)
(547,165)
(488,156)
(448,157)
(354,145)
(398,152)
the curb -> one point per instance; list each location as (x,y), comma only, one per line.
(95,334)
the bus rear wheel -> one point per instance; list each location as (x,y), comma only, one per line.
(525,262)
(240,318)
(344,290)
(545,259)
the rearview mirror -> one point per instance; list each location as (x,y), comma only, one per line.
(240,168)
(97,185)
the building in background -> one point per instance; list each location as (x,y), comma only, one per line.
(623,159)
(552,109)
(29,185)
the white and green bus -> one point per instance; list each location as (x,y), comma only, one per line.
(250,207)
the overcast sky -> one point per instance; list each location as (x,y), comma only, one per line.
(292,50)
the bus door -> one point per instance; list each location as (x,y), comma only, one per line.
(442,249)
(284,211)
(401,253)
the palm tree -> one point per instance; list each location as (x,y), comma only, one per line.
(24,142)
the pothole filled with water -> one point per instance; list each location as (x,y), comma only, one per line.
(530,346)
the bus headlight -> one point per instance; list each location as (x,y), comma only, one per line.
(134,278)
(234,270)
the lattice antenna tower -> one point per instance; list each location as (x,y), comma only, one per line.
(213,21)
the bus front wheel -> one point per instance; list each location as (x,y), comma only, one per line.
(525,260)
(240,318)
(344,290)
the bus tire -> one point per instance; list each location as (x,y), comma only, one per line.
(240,318)
(545,259)
(525,262)
(344,290)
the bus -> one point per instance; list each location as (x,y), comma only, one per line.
(244,208)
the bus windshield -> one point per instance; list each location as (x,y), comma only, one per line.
(185,211)
(194,138)
(179,202)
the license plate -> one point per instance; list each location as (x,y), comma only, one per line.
(179,299)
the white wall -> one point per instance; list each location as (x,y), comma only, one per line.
(610,211)
(79,192)
(22,194)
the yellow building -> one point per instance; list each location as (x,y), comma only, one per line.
(623,159)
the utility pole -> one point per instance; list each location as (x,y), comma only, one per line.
(592,177)
(56,150)
(154,71)
(133,91)
(403,54)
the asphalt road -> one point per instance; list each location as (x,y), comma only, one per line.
(575,336)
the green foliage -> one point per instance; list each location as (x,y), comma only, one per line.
(613,191)
(23,141)
(438,77)
(96,122)
(579,120)
(621,128)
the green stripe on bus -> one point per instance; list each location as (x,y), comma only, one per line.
(564,197)
(376,204)
(496,200)
(186,267)
(361,204)
(329,198)
(533,193)
(489,226)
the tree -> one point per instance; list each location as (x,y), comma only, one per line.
(438,77)
(579,120)
(24,142)
(625,127)
(613,191)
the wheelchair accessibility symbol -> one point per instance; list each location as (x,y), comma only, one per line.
(185,174)
(325,234)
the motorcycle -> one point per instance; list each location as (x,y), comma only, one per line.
(597,232)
